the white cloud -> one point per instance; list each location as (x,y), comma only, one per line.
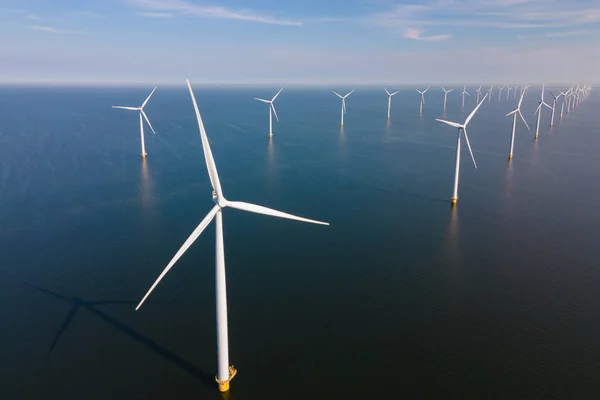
(185,7)
(32,17)
(49,29)
(154,14)
(417,34)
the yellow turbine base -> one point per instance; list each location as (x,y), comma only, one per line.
(453,200)
(143,155)
(510,156)
(224,385)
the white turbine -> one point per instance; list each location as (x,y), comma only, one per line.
(478,91)
(142,114)
(446,95)
(462,128)
(500,92)
(490,92)
(562,103)
(390,100)
(225,371)
(343,103)
(554,98)
(422,99)
(538,111)
(508,89)
(514,114)
(271,111)
(464,92)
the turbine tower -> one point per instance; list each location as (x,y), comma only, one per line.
(142,114)
(446,95)
(514,114)
(462,128)
(271,111)
(343,104)
(390,99)
(538,111)
(464,92)
(225,371)
(422,99)
(554,98)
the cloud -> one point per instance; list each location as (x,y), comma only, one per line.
(500,14)
(49,29)
(417,34)
(32,17)
(154,14)
(188,8)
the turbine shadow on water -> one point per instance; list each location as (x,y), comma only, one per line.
(77,304)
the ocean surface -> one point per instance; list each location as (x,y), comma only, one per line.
(402,296)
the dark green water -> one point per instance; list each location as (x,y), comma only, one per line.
(401,297)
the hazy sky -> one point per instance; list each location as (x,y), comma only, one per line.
(289,41)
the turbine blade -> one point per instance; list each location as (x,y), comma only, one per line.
(148,121)
(469,146)
(525,122)
(352,91)
(454,124)
(268,211)
(190,240)
(395,93)
(275,112)
(127,108)
(512,112)
(475,110)
(337,94)
(263,100)
(277,94)
(148,98)
(387,91)
(537,110)
(208,157)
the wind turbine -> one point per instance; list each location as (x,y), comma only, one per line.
(562,103)
(478,91)
(464,92)
(508,92)
(462,128)
(422,99)
(390,99)
(538,111)
(500,92)
(142,113)
(343,103)
(225,372)
(553,107)
(490,92)
(446,95)
(514,114)
(271,111)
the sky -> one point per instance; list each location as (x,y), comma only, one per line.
(299,42)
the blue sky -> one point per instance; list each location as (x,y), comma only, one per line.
(309,41)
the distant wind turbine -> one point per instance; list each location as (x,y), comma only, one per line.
(490,92)
(562,103)
(446,95)
(390,99)
(142,114)
(500,92)
(422,99)
(464,92)
(225,371)
(271,111)
(508,89)
(478,91)
(463,128)
(554,98)
(514,114)
(538,111)
(343,103)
